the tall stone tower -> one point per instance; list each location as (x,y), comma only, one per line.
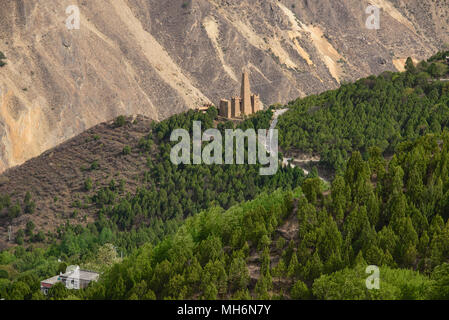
(246,94)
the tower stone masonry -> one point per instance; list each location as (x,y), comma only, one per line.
(255,103)
(244,105)
(225,108)
(236,105)
(246,95)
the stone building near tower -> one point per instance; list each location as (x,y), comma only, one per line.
(244,105)
(225,108)
(236,106)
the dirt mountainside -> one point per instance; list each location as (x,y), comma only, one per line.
(158,58)
(56,179)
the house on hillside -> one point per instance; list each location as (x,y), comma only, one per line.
(73,278)
(48,283)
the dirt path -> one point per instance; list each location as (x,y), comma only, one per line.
(289,231)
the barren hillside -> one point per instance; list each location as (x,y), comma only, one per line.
(157,58)
(57,178)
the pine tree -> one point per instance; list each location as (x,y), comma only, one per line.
(300,291)
(293,266)
(410,66)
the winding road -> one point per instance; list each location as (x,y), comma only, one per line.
(268,145)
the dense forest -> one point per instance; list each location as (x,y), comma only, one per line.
(220,232)
(167,194)
(379,111)
(390,214)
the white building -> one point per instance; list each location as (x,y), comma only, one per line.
(73,278)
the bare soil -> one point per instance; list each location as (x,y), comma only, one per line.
(56,178)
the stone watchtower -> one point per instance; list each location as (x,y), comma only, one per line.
(244,105)
(246,95)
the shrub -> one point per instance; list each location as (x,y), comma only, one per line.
(94,165)
(19,237)
(2,57)
(58,292)
(300,291)
(5,201)
(14,211)
(29,228)
(4,274)
(30,206)
(119,121)
(39,237)
(88,184)
(145,144)
(126,150)
(62,267)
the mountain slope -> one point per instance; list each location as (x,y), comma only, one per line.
(158,58)
(118,177)
(56,179)
(391,216)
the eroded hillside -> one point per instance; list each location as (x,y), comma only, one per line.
(57,179)
(157,58)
